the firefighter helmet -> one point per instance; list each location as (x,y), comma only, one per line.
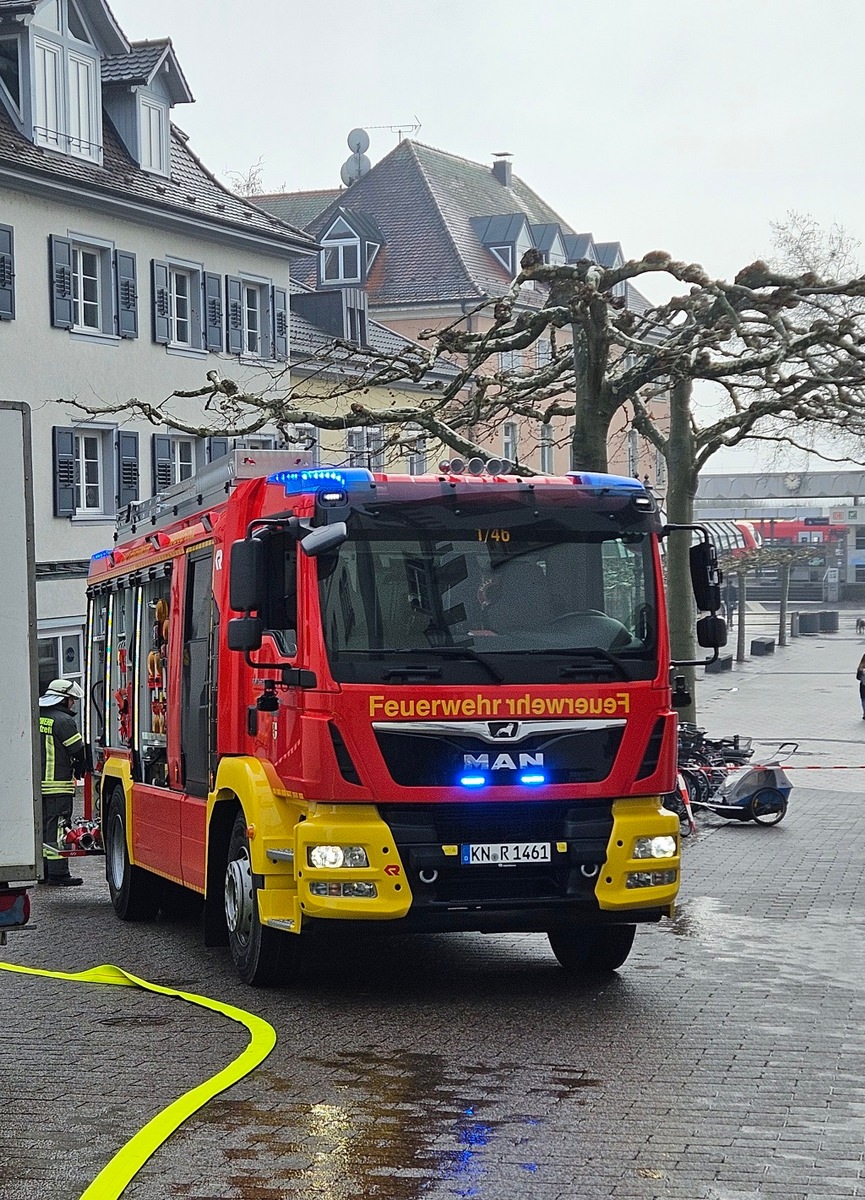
(59,690)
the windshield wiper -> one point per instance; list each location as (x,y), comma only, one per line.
(464,652)
(603,660)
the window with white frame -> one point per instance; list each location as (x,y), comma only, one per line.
(153,135)
(180,292)
(59,657)
(365,447)
(89,472)
(543,351)
(633,452)
(510,360)
(340,256)
(183,458)
(87,288)
(547,450)
(416,456)
(66,82)
(510,441)
(252,319)
(660,469)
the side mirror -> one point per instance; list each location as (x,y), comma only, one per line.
(244,633)
(712,633)
(705,578)
(323,538)
(246,575)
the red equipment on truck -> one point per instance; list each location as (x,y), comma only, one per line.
(418,702)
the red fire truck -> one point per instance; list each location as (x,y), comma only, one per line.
(423,703)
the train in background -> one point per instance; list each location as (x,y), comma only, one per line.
(735,537)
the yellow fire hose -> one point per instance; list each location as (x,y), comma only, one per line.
(112,1180)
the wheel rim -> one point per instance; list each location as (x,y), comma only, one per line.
(117,851)
(239,897)
(768,808)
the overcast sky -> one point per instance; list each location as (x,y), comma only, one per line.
(676,125)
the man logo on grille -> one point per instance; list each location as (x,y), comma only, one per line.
(506,730)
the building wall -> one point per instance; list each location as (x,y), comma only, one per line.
(40,364)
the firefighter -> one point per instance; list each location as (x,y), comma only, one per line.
(63,759)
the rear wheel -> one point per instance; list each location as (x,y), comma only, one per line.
(592,949)
(768,806)
(134,893)
(262,956)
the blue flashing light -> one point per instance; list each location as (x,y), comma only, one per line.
(473,780)
(534,779)
(297,482)
(611,483)
(101,554)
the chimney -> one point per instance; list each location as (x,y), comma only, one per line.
(502,167)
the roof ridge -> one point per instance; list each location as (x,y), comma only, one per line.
(444,223)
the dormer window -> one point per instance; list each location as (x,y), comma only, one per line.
(66,86)
(505,255)
(340,257)
(153,135)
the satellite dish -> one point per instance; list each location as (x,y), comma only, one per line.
(353,168)
(358,141)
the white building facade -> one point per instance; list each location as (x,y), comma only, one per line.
(126,270)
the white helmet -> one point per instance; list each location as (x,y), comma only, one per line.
(59,690)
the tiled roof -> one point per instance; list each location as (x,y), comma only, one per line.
(137,66)
(190,190)
(298,208)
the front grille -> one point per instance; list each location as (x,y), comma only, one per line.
(438,760)
(440,880)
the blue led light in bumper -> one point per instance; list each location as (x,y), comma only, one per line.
(473,780)
(533,779)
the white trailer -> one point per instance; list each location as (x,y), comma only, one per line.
(20,806)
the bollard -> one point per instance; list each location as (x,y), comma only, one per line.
(809,622)
(828,621)
(794,624)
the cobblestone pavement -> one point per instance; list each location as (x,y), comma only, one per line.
(724,1062)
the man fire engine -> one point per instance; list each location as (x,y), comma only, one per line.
(417,702)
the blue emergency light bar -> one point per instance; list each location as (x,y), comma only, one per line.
(607,483)
(314,479)
(101,554)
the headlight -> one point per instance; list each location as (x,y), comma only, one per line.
(655,847)
(330,857)
(640,879)
(352,891)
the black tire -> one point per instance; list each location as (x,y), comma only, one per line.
(768,806)
(592,949)
(674,803)
(263,957)
(134,892)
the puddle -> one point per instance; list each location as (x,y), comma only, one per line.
(392,1126)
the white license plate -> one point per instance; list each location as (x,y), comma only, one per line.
(480,854)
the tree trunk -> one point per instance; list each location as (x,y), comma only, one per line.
(785,593)
(740,619)
(593,404)
(681,489)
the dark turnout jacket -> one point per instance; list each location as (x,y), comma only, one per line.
(62,752)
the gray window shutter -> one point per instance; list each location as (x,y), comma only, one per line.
(64,472)
(161,302)
(234,315)
(212,285)
(279,307)
(7,274)
(127,294)
(60,268)
(217,447)
(163,463)
(127,468)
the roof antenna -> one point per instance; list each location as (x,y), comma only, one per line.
(404,129)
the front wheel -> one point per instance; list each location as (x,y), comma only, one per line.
(263,956)
(768,806)
(134,893)
(592,949)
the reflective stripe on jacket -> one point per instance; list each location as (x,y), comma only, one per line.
(62,753)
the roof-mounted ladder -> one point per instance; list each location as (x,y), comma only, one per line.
(206,488)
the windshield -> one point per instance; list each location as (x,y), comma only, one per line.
(489,595)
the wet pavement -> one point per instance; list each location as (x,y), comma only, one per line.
(725,1061)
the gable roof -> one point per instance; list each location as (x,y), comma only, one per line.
(191,191)
(141,63)
(96,12)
